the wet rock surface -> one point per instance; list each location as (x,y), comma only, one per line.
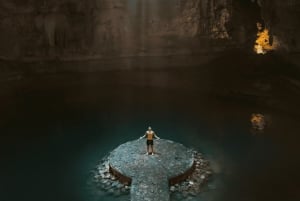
(180,174)
(195,183)
(107,182)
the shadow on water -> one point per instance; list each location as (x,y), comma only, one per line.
(55,129)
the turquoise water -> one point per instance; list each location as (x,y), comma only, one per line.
(55,130)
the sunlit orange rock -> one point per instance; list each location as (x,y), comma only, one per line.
(262,43)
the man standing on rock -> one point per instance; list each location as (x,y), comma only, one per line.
(150,135)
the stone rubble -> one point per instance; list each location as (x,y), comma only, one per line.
(187,189)
(194,184)
(107,182)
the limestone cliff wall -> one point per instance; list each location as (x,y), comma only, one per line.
(282,18)
(100,28)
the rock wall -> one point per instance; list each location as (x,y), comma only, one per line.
(100,28)
(282,18)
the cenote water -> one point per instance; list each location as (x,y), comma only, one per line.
(56,128)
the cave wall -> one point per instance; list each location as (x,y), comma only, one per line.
(99,28)
(282,18)
(35,28)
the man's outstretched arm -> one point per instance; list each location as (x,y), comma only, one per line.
(144,136)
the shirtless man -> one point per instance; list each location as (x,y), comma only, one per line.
(150,135)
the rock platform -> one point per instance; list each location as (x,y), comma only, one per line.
(151,175)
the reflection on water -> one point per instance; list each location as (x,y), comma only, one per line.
(55,130)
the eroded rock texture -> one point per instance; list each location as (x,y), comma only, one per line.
(99,28)
(282,18)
